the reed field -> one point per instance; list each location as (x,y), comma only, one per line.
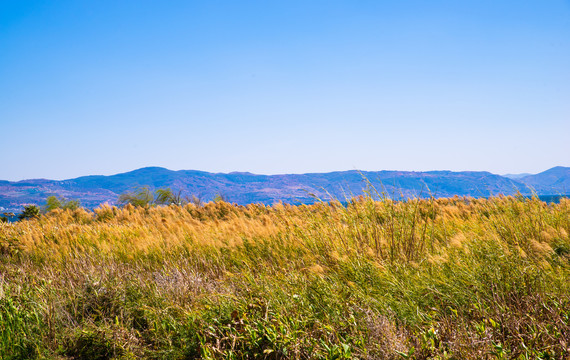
(456,278)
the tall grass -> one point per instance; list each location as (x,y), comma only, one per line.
(457,278)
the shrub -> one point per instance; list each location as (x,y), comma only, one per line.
(142,197)
(55,202)
(30,211)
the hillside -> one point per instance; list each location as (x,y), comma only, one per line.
(244,188)
(551,181)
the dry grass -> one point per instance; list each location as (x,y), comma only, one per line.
(457,278)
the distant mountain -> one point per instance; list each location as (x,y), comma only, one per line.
(552,181)
(244,188)
(516,176)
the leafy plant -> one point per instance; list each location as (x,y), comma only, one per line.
(168,197)
(55,202)
(142,197)
(29,212)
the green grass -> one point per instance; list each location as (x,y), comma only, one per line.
(422,279)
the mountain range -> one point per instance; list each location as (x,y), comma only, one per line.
(243,187)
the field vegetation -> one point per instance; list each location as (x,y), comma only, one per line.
(456,278)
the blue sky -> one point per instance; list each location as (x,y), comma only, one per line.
(101,87)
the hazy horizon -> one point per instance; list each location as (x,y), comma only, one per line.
(237,171)
(99,88)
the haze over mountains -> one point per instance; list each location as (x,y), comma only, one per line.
(244,188)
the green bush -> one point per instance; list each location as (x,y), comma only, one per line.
(55,202)
(144,197)
(30,211)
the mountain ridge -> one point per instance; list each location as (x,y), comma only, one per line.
(246,187)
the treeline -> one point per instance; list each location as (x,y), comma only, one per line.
(139,197)
(145,197)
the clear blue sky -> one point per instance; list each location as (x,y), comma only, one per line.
(284,86)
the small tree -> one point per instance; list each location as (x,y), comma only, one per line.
(139,197)
(221,198)
(30,211)
(144,197)
(54,202)
(71,204)
(168,197)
